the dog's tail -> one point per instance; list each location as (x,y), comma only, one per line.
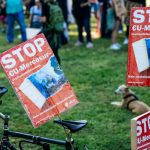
(118,104)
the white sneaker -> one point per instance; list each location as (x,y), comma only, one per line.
(115,47)
(125,42)
(78,43)
(120,31)
(89,45)
(118,45)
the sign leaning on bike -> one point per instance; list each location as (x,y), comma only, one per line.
(44,143)
(38,80)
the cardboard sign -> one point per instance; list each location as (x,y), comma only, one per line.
(32,32)
(138,73)
(38,80)
(120,8)
(140,132)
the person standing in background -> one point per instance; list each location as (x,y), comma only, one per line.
(35,15)
(120,13)
(53,37)
(70,15)
(64,7)
(105,4)
(3,15)
(82,12)
(14,11)
(64,35)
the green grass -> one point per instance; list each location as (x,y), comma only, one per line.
(94,75)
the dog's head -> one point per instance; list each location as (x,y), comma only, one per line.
(121,89)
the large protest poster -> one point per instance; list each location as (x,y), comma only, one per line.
(138,73)
(39,82)
(140,132)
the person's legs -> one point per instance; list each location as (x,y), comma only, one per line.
(10,26)
(80,29)
(115,45)
(98,23)
(3,21)
(86,22)
(103,30)
(55,50)
(97,16)
(21,22)
(59,40)
(127,32)
(88,32)
(50,36)
(57,45)
(115,31)
(125,42)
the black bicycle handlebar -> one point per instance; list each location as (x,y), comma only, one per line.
(5,118)
(2,116)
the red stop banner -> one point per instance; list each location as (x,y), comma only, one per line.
(38,80)
(138,70)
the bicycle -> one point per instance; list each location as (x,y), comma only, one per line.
(69,126)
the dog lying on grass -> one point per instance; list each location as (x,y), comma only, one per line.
(130,101)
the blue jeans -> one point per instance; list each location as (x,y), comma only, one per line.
(11,18)
(84,22)
(95,6)
(36,25)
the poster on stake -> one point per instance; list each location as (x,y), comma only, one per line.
(38,80)
(138,72)
(140,132)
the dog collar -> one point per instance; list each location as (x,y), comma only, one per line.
(134,99)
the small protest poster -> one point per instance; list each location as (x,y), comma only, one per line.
(120,8)
(138,71)
(140,132)
(38,80)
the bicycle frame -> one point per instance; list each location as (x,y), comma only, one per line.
(35,139)
(29,138)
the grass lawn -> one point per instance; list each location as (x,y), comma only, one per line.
(94,75)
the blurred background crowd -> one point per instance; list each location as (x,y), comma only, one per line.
(53,17)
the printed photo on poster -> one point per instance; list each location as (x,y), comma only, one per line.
(45,82)
(142,54)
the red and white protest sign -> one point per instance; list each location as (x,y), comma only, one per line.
(38,80)
(138,73)
(140,132)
